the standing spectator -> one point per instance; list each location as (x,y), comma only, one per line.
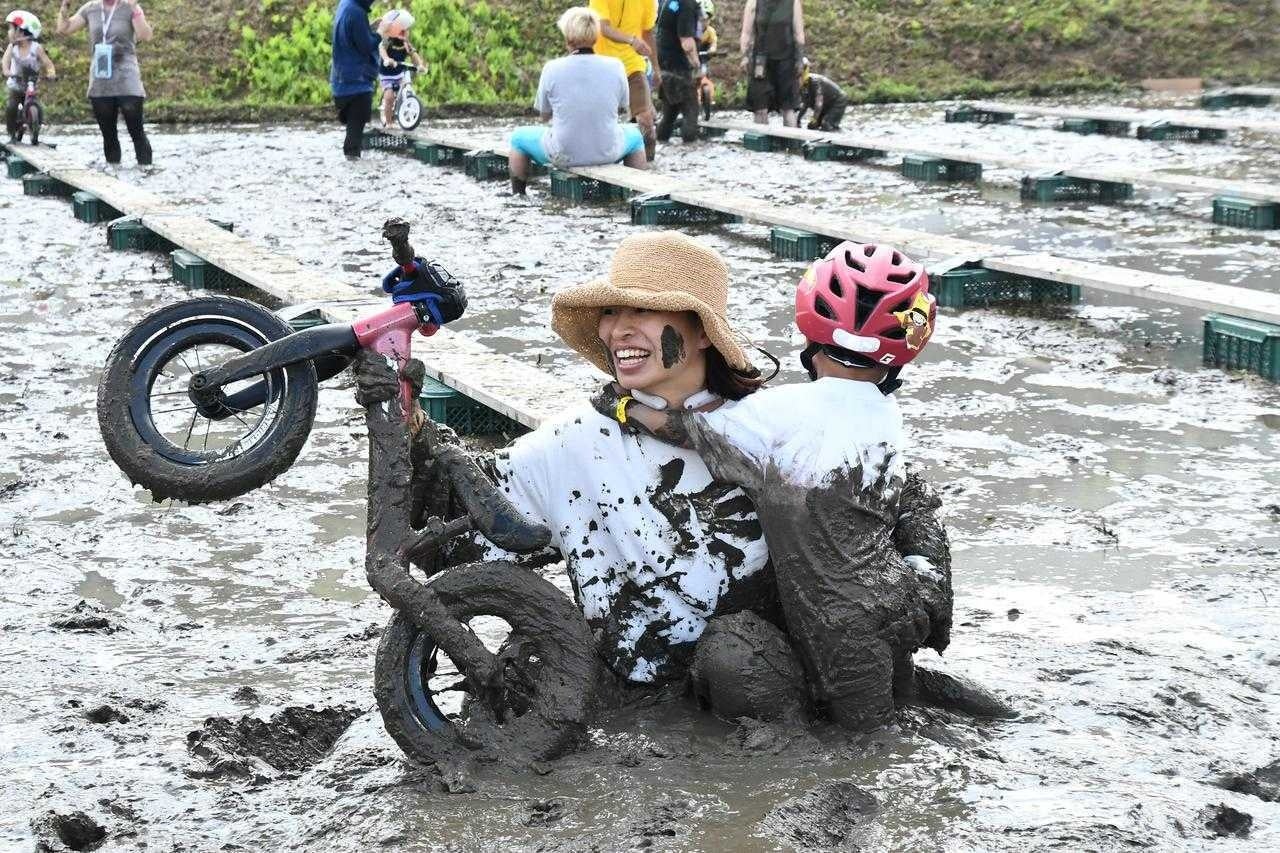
(772,49)
(354,68)
(677,32)
(582,95)
(115,80)
(626,33)
(824,97)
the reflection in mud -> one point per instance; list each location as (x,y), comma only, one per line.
(1112,510)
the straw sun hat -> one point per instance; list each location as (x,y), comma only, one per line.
(664,271)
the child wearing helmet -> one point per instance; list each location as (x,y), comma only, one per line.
(824,464)
(23,57)
(392,53)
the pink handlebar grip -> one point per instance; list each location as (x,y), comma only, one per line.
(389,333)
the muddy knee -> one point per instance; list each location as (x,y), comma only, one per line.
(745,667)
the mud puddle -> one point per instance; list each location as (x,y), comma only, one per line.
(1112,506)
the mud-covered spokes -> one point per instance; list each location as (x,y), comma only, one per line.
(185,434)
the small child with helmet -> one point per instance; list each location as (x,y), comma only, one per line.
(823,463)
(392,53)
(24,57)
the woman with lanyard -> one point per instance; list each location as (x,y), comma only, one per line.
(115,81)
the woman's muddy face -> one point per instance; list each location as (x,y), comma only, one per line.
(649,349)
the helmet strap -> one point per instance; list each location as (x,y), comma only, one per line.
(806,360)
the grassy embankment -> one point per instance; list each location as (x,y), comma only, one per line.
(269,59)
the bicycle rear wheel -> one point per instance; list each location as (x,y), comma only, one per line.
(35,119)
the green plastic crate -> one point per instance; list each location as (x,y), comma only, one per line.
(194,271)
(1239,344)
(711,132)
(577,188)
(436,155)
(89,208)
(1067,188)
(18,167)
(1164,131)
(382,140)
(1246,212)
(753,141)
(308,320)
(1222,100)
(966,287)
(1083,126)
(130,235)
(40,184)
(935,169)
(970,114)
(664,211)
(465,416)
(832,151)
(485,165)
(795,244)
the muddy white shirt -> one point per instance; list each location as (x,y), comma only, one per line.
(813,430)
(654,548)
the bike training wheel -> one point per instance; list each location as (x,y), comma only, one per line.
(409,113)
(549,661)
(151,427)
(35,118)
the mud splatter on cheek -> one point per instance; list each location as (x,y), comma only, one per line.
(672,347)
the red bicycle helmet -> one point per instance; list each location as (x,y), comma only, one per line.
(867,305)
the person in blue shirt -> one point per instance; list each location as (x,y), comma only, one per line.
(354,69)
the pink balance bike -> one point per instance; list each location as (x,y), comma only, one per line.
(212,397)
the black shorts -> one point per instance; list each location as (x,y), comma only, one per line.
(779,89)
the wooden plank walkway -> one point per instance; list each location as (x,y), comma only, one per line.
(1157,178)
(1137,117)
(1261,91)
(1190,293)
(513,388)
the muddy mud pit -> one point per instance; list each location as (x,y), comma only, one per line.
(1108,503)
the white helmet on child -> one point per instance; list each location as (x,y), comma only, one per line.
(398,18)
(25,21)
(708,7)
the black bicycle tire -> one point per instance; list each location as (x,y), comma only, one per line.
(531,605)
(221,480)
(37,124)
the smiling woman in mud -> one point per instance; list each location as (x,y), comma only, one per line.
(653,547)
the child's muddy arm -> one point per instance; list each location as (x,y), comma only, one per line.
(921,538)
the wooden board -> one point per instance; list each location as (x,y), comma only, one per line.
(513,388)
(1132,116)
(1252,90)
(1163,178)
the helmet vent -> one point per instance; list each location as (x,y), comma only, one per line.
(867,302)
(824,310)
(836,287)
(854,262)
(896,260)
(901,277)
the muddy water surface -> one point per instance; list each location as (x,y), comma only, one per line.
(1113,507)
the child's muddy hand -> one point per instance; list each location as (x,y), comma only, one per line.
(376,383)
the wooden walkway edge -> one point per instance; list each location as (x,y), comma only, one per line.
(1157,178)
(1139,117)
(504,384)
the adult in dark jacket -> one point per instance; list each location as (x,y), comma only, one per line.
(354,68)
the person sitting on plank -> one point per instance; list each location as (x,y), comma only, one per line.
(582,95)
